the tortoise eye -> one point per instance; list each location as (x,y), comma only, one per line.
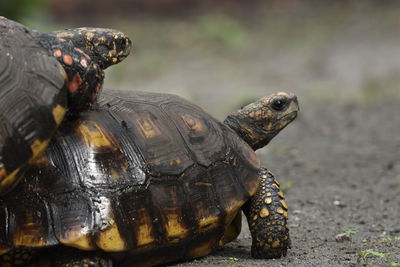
(279,103)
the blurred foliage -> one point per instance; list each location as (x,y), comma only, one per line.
(223,30)
(19,9)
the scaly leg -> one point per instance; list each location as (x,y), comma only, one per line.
(267,216)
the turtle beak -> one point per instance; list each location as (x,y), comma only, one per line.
(294,100)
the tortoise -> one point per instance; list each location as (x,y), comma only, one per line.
(144,179)
(41,76)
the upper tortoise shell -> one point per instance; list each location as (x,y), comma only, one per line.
(41,76)
(33,99)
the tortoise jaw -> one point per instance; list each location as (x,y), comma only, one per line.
(272,129)
(283,121)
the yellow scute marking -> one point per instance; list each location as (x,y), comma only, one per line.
(77,239)
(4,250)
(29,236)
(193,123)
(148,128)
(201,250)
(232,231)
(111,240)
(174,228)
(9,180)
(144,235)
(40,160)
(93,135)
(38,146)
(208,223)
(3,173)
(58,114)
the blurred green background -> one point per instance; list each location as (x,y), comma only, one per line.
(224,53)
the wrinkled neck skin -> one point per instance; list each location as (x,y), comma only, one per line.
(256,137)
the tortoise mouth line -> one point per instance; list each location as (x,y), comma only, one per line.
(289,117)
(282,122)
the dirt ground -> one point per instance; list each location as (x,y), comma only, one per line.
(339,162)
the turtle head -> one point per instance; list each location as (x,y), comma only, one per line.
(258,122)
(106,46)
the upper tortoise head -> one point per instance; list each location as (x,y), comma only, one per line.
(108,46)
(258,122)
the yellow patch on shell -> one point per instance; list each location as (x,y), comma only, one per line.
(77,239)
(232,231)
(58,114)
(194,124)
(8,180)
(110,240)
(38,146)
(264,213)
(4,250)
(232,207)
(203,184)
(280,193)
(28,235)
(40,160)
(148,128)
(207,223)
(93,135)
(175,229)
(3,173)
(175,162)
(201,250)
(144,236)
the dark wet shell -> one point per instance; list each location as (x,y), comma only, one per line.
(32,99)
(144,173)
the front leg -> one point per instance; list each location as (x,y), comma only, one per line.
(267,216)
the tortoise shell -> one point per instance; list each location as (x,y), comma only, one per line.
(33,99)
(144,173)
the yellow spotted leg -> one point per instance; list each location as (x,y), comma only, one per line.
(267,216)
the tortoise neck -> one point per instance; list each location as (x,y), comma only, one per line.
(245,128)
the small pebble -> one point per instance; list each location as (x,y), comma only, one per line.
(343,237)
(339,204)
